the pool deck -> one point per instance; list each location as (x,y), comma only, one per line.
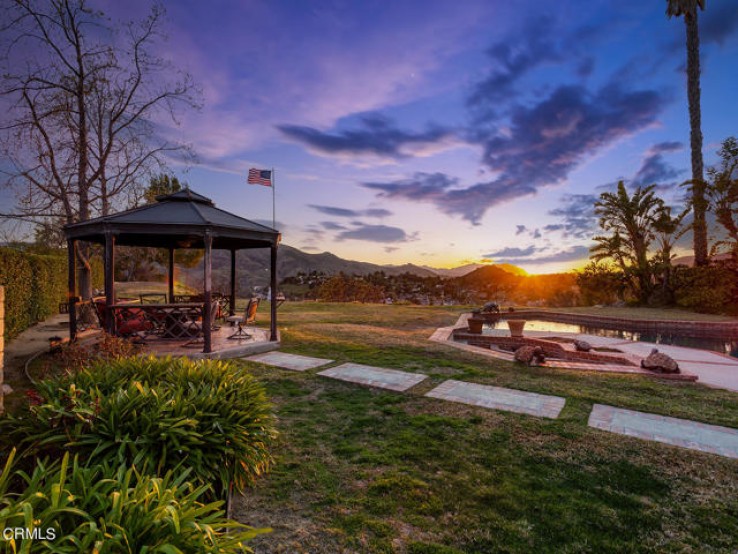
(712,368)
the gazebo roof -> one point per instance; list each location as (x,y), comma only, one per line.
(179,220)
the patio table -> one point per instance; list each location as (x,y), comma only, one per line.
(171,321)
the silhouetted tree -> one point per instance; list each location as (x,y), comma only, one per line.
(85,97)
(688,10)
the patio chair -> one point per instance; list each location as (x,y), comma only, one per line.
(247,318)
(198,328)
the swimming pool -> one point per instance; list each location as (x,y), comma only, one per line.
(723,345)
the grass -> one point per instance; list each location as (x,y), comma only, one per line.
(363,470)
(134,288)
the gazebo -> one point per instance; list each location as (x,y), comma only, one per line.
(184,219)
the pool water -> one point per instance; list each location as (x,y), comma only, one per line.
(724,346)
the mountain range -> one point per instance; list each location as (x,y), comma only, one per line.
(252,267)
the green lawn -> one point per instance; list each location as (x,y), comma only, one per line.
(361,470)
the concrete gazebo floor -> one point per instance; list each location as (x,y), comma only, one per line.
(37,339)
(223,347)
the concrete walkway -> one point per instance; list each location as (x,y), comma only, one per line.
(677,432)
(288,361)
(31,341)
(380,377)
(498,398)
(669,430)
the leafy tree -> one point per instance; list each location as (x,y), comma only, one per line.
(723,194)
(631,219)
(668,230)
(601,283)
(161,185)
(688,10)
(84,97)
(342,288)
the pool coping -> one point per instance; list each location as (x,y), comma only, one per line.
(705,329)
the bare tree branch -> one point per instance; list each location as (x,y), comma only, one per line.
(80,134)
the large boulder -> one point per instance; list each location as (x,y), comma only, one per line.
(530,355)
(582,346)
(660,363)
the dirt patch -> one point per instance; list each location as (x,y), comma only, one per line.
(292,530)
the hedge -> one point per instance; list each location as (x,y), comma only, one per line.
(34,286)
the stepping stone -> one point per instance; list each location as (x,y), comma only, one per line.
(669,430)
(374,376)
(499,398)
(288,361)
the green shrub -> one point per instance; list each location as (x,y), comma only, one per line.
(710,289)
(208,416)
(34,286)
(105,509)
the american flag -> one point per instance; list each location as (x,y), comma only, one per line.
(260,177)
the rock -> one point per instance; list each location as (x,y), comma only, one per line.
(582,346)
(530,355)
(491,308)
(661,363)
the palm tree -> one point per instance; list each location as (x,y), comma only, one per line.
(668,231)
(688,9)
(631,219)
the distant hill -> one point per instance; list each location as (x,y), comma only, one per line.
(468,268)
(489,274)
(252,267)
(689,260)
(449,273)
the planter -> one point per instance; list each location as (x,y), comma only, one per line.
(475,325)
(516,327)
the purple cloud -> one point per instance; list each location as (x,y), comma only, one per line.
(577,213)
(512,59)
(718,23)
(655,170)
(377,137)
(527,255)
(422,186)
(542,145)
(376,233)
(332,226)
(512,252)
(345,212)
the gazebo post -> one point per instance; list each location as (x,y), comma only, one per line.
(109,281)
(232,309)
(72,287)
(171,274)
(273,267)
(207,330)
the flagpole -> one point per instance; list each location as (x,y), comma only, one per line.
(274,203)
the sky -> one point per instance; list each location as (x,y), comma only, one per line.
(441,132)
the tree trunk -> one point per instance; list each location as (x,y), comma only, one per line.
(83,185)
(699,202)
